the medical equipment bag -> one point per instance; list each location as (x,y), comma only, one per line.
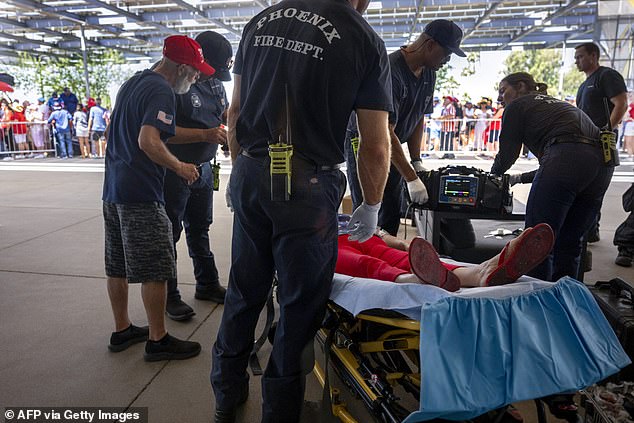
(462,188)
(615,300)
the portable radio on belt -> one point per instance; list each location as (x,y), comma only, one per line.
(608,141)
(215,170)
(608,145)
(280,155)
(355,145)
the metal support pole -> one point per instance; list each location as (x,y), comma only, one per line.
(630,61)
(84,55)
(616,40)
(561,70)
(412,30)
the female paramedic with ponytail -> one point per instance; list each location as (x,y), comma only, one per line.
(572,178)
(569,185)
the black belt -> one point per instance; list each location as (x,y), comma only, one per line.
(567,139)
(202,164)
(318,167)
(254,156)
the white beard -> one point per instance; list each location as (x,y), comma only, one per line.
(182,85)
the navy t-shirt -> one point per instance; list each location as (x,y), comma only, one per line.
(331,62)
(202,108)
(131,177)
(412,97)
(70,101)
(534,120)
(603,83)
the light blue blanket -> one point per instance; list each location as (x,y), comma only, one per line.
(483,348)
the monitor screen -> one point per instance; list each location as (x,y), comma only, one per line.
(457,187)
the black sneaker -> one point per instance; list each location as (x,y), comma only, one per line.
(176,309)
(121,340)
(170,348)
(214,293)
(623,259)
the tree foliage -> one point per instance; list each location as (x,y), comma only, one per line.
(572,79)
(42,75)
(545,66)
(446,83)
(472,59)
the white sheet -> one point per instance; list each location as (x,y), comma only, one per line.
(359,294)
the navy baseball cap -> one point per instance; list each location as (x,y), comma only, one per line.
(218,53)
(447,34)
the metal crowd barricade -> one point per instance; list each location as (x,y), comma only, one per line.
(467,136)
(26,140)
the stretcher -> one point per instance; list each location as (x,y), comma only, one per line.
(416,352)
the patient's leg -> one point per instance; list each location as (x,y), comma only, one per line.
(518,257)
(377,248)
(356,259)
(426,265)
(352,262)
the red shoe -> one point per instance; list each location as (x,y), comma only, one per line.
(522,254)
(426,265)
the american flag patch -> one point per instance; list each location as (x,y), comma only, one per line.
(165,118)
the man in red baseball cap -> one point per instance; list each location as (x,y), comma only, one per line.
(184,50)
(187,55)
(138,238)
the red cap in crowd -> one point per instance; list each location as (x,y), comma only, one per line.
(184,50)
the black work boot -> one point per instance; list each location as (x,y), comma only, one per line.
(623,259)
(215,293)
(228,415)
(177,309)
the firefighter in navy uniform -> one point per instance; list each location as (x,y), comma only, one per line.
(602,83)
(572,178)
(199,115)
(301,68)
(413,69)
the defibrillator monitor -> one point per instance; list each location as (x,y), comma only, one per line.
(459,190)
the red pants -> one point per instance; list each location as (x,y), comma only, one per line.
(372,259)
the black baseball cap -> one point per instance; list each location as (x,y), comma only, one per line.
(447,34)
(218,53)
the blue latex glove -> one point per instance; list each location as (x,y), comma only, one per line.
(363,222)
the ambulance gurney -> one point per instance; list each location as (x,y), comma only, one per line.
(459,355)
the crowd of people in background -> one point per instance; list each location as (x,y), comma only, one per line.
(60,126)
(475,126)
(29,130)
(458,126)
